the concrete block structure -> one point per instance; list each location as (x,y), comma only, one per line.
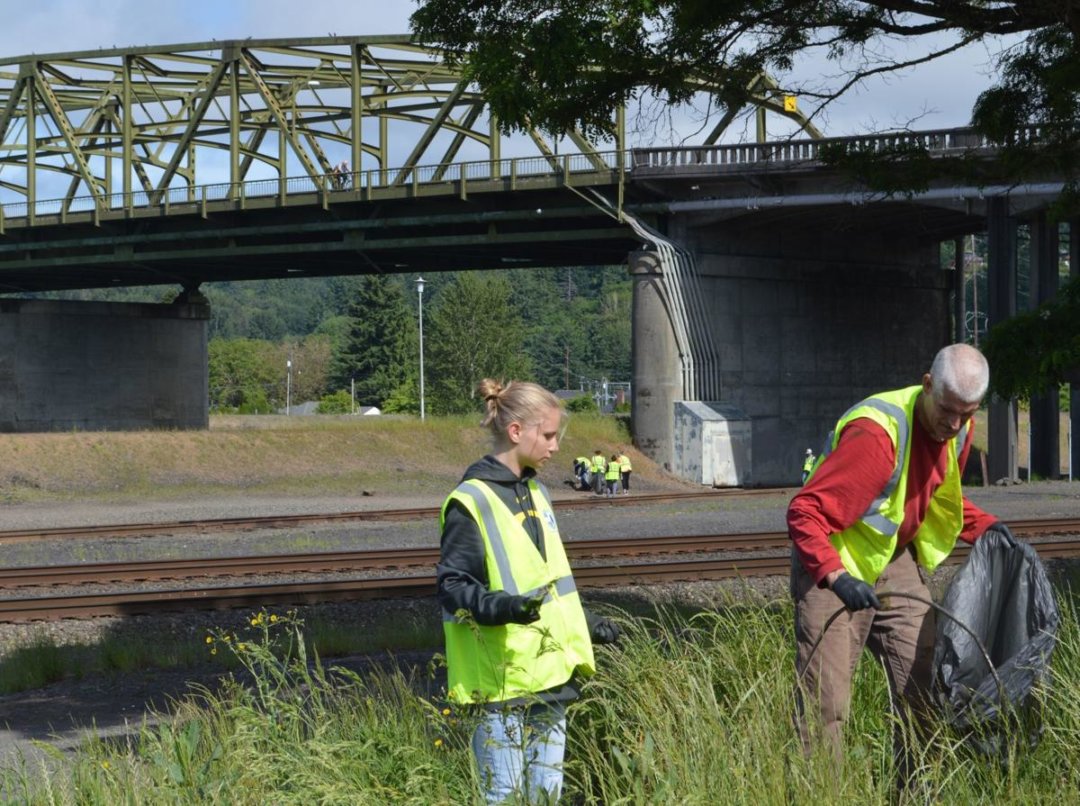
(102,365)
(712,444)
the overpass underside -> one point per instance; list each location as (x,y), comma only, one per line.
(812,302)
(336,234)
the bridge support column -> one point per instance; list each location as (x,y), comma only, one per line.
(657,378)
(103,365)
(1044,458)
(1001,455)
(1074,385)
(959,288)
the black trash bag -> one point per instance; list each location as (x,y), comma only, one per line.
(1002,594)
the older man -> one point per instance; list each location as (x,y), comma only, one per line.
(885,500)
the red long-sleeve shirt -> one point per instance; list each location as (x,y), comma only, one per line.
(853,475)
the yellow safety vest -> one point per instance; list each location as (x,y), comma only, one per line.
(809,463)
(599,463)
(868,546)
(624,463)
(612,473)
(499,663)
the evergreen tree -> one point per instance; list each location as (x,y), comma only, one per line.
(377,351)
(475,333)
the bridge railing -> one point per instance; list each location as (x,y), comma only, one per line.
(445,179)
(464,177)
(939,142)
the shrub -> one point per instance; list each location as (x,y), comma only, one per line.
(338,403)
(582,403)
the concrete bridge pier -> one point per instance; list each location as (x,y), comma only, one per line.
(1074,385)
(657,379)
(1001,456)
(97,366)
(799,339)
(1044,457)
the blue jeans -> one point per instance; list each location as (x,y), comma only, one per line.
(519,751)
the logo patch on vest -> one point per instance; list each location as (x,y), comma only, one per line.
(549,519)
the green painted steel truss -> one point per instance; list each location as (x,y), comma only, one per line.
(135,127)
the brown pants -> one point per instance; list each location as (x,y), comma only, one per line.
(900,636)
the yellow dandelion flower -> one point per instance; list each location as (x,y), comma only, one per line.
(209,639)
(273,619)
(240,647)
(105,765)
(213,651)
(446,712)
(438,742)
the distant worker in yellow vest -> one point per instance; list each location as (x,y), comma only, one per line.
(884,500)
(599,468)
(518,640)
(625,468)
(582,472)
(807,465)
(611,475)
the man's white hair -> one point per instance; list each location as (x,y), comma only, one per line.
(962,370)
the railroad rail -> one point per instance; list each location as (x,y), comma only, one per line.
(295,593)
(287,521)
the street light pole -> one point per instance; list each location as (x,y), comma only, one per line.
(420,297)
(288,385)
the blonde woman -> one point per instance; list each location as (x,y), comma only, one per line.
(518,640)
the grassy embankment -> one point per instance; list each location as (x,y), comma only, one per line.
(689,712)
(278,455)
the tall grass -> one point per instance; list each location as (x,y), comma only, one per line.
(684,710)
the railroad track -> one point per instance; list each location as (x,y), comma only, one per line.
(293,593)
(287,521)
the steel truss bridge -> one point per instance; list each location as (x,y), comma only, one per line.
(273,158)
(262,158)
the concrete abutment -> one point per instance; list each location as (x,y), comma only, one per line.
(98,366)
(799,339)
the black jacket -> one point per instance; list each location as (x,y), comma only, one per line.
(461,575)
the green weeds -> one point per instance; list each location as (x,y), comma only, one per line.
(688,710)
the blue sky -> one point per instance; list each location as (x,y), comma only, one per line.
(937,96)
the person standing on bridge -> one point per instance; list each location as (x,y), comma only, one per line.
(517,636)
(885,500)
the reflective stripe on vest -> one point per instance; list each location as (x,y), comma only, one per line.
(868,546)
(499,663)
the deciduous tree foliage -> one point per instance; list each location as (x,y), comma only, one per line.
(557,64)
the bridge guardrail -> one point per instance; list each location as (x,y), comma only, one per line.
(456,178)
(448,178)
(940,142)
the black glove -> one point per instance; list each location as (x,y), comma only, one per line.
(605,631)
(854,593)
(1011,540)
(524,610)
